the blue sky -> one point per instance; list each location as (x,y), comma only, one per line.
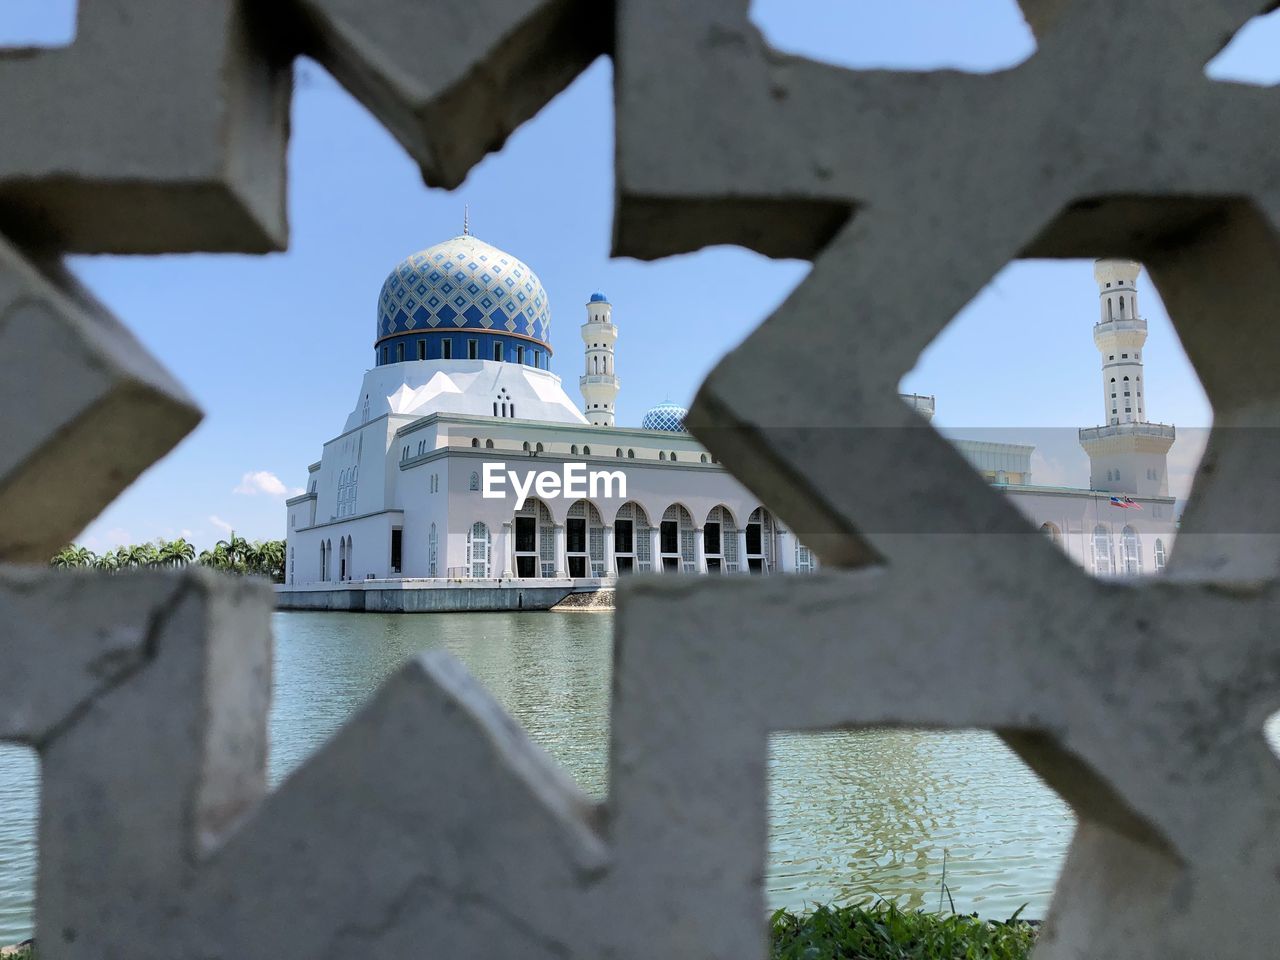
(274,347)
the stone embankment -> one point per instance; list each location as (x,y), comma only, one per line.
(597,601)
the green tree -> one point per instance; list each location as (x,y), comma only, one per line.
(73,555)
(177,553)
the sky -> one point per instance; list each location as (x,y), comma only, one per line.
(273,347)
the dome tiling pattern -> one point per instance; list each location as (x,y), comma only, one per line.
(665,416)
(464,283)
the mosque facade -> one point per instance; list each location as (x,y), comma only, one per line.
(463,456)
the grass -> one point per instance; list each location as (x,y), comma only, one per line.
(884,932)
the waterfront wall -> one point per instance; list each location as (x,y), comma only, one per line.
(429,818)
(455,596)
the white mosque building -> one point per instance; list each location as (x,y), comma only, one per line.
(395,514)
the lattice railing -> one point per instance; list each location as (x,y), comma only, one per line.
(429,824)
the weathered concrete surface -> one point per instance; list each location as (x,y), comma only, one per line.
(430,819)
(161,129)
(451,80)
(1142,705)
(84,409)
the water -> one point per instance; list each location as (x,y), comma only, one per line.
(854,814)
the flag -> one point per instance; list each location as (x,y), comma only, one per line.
(1125,502)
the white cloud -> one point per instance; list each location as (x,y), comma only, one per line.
(220,523)
(265,482)
(1048,472)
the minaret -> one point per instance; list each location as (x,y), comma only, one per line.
(599,384)
(1129,454)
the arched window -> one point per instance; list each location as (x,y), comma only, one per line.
(475,441)
(631,454)
(619,453)
(673,454)
(1160,557)
(538,448)
(1103,563)
(704,458)
(478,550)
(586,451)
(1130,552)
(574,449)
(1122,308)
(526,447)
(662,454)
(432,546)
(488,444)
(475,481)
(1110,312)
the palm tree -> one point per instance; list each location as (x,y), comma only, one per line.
(235,550)
(109,561)
(177,553)
(267,558)
(73,556)
(140,555)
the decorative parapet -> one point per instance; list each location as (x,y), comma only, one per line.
(1159,431)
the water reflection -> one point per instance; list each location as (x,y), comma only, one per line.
(853,814)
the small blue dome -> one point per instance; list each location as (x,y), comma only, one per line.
(599,297)
(665,416)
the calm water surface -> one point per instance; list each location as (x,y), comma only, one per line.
(854,815)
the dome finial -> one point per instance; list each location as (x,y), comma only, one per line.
(466,219)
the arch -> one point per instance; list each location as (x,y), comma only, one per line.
(584,540)
(673,456)
(632,539)
(474,482)
(704,458)
(1130,552)
(322,561)
(1103,561)
(1053,532)
(534,548)
(475,441)
(433,546)
(586,451)
(662,454)
(619,453)
(488,444)
(760,537)
(538,448)
(677,550)
(631,454)
(478,551)
(526,447)
(720,540)
(1160,555)
(574,450)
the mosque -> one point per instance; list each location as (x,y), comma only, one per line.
(417,503)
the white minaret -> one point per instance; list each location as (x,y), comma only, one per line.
(599,383)
(1129,454)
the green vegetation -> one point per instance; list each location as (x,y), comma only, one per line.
(263,558)
(884,932)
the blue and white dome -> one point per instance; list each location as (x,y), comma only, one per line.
(599,297)
(665,416)
(463,283)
